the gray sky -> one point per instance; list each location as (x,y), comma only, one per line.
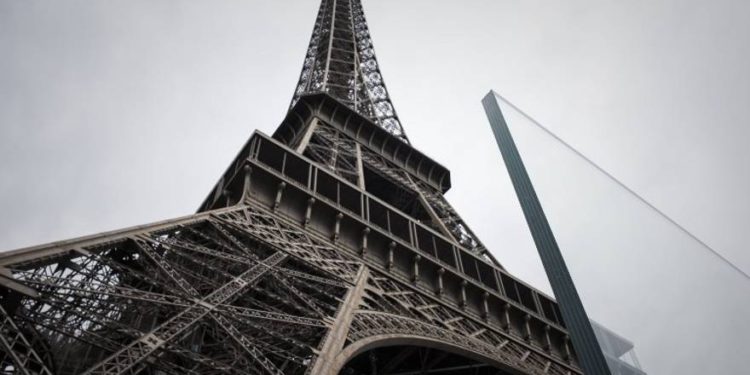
(116,113)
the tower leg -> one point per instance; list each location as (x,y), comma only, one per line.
(336,337)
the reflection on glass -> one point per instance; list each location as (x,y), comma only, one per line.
(618,351)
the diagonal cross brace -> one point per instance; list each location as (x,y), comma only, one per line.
(140,349)
(11,338)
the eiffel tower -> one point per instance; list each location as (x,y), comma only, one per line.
(325,248)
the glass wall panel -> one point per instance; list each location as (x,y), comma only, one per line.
(645,282)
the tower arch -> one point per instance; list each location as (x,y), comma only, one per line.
(408,353)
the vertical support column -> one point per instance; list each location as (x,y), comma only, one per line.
(391,248)
(527,327)
(415,269)
(439,290)
(360,167)
(506,316)
(330,46)
(308,212)
(307,135)
(566,348)
(485,306)
(336,338)
(574,315)
(337,227)
(227,197)
(279,194)
(462,301)
(363,246)
(247,183)
(355,64)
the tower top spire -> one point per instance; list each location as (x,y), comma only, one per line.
(341,62)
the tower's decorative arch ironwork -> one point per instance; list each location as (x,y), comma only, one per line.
(332,233)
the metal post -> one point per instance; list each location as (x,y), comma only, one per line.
(586,346)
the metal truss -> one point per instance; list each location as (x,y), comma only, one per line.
(393,308)
(336,151)
(308,249)
(21,355)
(234,291)
(346,158)
(341,61)
(167,300)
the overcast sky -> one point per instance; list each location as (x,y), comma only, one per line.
(117,113)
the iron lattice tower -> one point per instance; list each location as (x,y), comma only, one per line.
(341,62)
(326,248)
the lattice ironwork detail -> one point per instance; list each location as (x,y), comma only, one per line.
(335,151)
(339,153)
(370,324)
(166,300)
(304,249)
(341,61)
(392,308)
(20,354)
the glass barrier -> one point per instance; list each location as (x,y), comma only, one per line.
(647,284)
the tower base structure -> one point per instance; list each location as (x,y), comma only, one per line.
(291,266)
